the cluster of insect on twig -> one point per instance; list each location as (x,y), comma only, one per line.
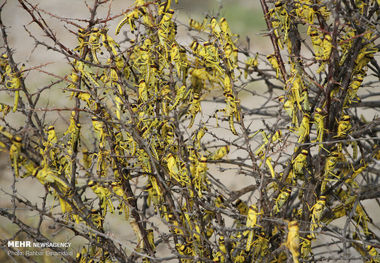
(141,145)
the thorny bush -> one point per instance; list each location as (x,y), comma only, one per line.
(159,128)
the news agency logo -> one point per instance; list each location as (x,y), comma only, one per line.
(18,243)
(41,248)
